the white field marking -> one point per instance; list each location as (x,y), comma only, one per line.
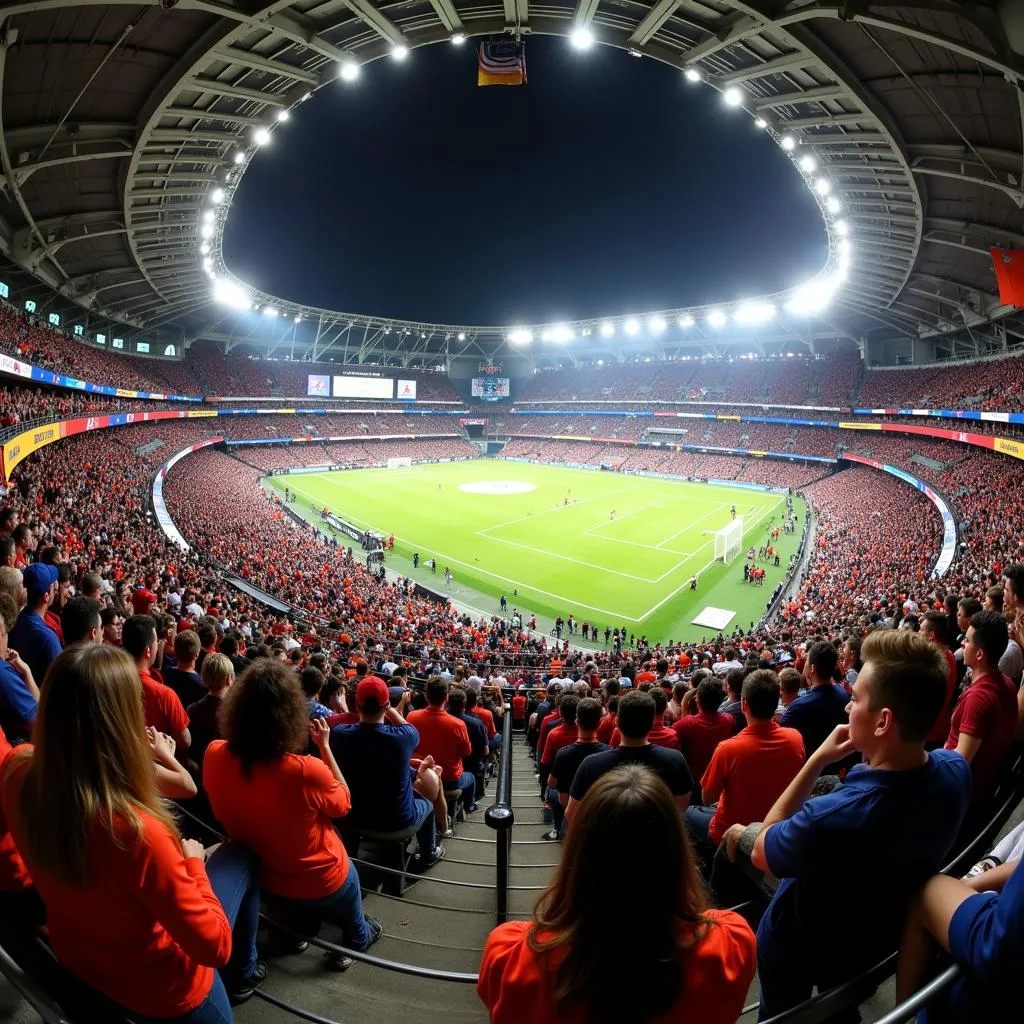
(618,518)
(575,561)
(557,508)
(653,547)
(707,565)
(476,568)
(718,508)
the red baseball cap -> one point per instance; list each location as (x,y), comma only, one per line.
(142,601)
(371,688)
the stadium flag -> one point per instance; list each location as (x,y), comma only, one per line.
(501,63)
(1009,266)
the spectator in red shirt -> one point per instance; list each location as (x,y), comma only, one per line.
(748,772)
(688,962)
(701,733)
(445,738)
(607,724)
(519,710)
(132,909)
(933,629)
(984,721)
(561,736)
(163,707)
(283,803)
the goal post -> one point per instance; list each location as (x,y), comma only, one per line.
(729,541)
(396,462)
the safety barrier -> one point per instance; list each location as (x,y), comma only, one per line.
(501,817)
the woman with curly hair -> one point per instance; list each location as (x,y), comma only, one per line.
(685,962)
(281,802)
(134,911)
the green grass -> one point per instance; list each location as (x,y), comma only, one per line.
(549,558)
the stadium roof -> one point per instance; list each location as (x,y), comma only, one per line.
(120,120)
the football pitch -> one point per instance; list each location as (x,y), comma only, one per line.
(545,537)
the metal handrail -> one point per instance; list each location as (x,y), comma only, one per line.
(501,818)
(31,991)
(910,1006)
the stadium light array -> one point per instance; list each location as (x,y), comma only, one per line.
(761,123)
(754,313)
(239,157)
(261,137)
(842,227)
(716,318)
(686,321)
(349,71)
(204,249)
(458,39)
(559,333)
(632,327)
(607,329)
(656,324)
(206,231)
(808,164)
(788,143)
(812,297)
(733,96)
(399,52)
(231,294)
(693,74)
(823,186)
(208,216)
(581,38)
(283,114)
(269,311)
(217,195)
(462,335)
(520,336)
(833,205)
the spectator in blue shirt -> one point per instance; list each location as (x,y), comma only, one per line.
(312,682)
(182,677)
(817,712)
(980,921)
(474,763)
(31,637)
(850,861)
(374,756)
(18,693)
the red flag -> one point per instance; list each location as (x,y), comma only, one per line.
(1009,265)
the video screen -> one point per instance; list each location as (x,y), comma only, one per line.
(318,385)
(364,387)
(490,388)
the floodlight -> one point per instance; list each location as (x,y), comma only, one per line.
(283,114)
(842,227)
(808,164)
(812,297)
(733,97)
(686,321)
(833,205)
(459,38)
(399,51)
(844,246)
(206,231)
(204,249)
(208,216)
(581,38)
(231,294)
(207,264)
(632,327)
(269,311)
(788,143)
(462,335)
(607,329)
(261,136)
(693,74)
(297,318)
(239,157)
(754,313)
(823,186)
(656,324)
(520,336)
(558,333)
(600,362)
(217,195)
(349,71)
(716,318)
(761,123)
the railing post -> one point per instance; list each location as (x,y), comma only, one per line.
(501,818)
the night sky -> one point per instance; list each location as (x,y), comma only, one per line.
(607,185)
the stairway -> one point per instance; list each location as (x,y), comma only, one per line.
(435,925)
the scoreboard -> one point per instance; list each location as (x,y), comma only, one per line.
(490,389)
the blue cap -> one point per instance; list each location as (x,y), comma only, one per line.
(39,577)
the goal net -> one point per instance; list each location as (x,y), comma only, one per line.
(399,463)
(729,541)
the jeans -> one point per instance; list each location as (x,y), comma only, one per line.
(557,810)
(426,835)
(343,908)
(467,784)
(698,820)
(233,871)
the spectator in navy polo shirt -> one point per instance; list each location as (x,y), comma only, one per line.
(31,637)
(851,860)
(374,757)
(473,763)
(18,693)
(817,712)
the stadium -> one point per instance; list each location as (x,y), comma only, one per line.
(320,612)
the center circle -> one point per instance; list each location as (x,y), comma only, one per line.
(498,487)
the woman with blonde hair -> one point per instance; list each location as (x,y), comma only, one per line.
(675,959)
(133,910)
